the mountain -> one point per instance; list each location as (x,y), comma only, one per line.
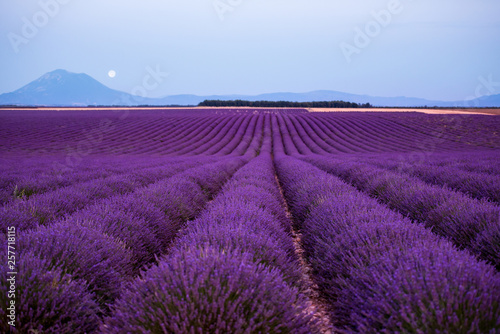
(328,95)
(62,88)
(488,100)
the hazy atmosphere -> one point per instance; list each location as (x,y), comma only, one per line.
(435,50)
(249,166)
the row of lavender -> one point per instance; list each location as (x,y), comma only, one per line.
(84,241)
(47,207)
(140,132)
(469,223)
(174,132)
(476,174)
(232,270)
(424,193)
(23,178)
(80,245)
(223,271)
(379,272)
(72,270)
(39,175)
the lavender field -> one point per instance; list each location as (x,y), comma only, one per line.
(250,221)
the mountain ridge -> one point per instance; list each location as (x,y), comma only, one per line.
(63,88)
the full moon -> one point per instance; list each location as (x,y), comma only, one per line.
(112,74)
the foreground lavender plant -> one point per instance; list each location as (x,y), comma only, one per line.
(85,254)
(248,217)
(47,300)
(206,291)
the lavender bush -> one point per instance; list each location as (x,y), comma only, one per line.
(47,300)
(84,253)
(206,291)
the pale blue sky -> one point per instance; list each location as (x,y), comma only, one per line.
(435,49)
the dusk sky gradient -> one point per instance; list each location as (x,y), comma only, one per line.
(430,49)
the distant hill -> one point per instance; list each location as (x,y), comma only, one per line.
(63,88)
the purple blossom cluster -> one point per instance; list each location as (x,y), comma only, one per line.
(203,290)
(48,300)
(86,254)
(379,272)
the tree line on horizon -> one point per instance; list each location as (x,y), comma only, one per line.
(282,104)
